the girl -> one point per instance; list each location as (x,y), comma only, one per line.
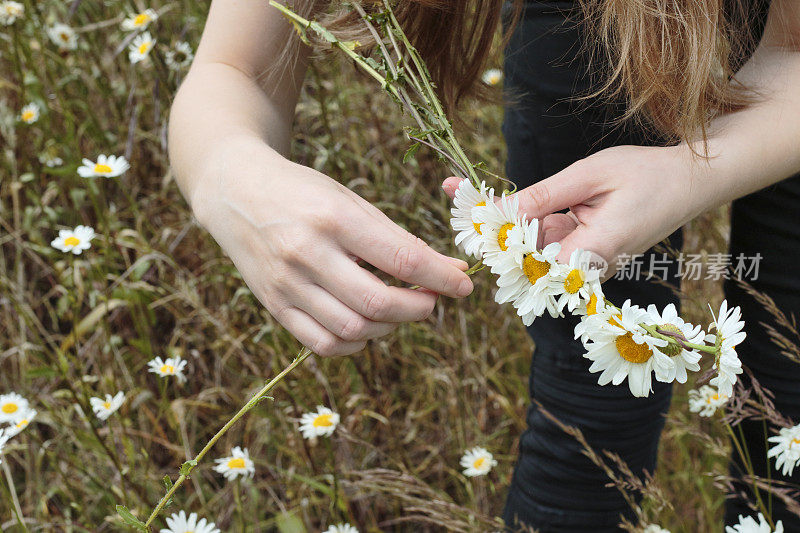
(294,233)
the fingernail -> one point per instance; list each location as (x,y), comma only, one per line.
(465,287)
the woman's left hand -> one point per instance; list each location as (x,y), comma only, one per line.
(621,200)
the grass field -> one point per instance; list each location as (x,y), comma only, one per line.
(155,284)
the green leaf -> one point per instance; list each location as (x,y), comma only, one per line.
(412,150)
(187,467)
(289,523)
(131,520)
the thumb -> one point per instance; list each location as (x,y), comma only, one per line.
(571,186)
(450,186)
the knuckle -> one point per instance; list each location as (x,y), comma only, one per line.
(374,304)
(538,196)
(352,329)
(407,260)
(295,246)
(325,346)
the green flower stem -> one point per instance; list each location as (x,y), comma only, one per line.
(749,468)
(257,397)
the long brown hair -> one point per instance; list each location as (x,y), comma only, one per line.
(672,61)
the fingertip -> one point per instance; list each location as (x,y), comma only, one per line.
(450,186)
(465,288)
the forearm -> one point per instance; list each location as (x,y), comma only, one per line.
(760,145)
(216,107)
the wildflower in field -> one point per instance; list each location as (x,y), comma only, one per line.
(104,408)
(526,274)
(20,422)
(622,349)
(180,56)
(706,400)
(139,21)
(729,334)
(492,76)
(4,436)
(74,240)
(30,113)
(107,166)
(11,405)
(341,528)
(10,12)
(63,36)
(180,523)
(683,358)
(786,450)
(238,464)
(468,231)
(477,462)
(319,423)
(172,366)
(654,528)
(139,49)
(50,160)
(497,225)
(749,525)
(579,279)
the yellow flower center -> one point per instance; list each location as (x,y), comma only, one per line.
(478,462)
(591,305)
(144,47)
(64,37)
(475,224)
(614,322)
(141,19)
(632,351)
(72,241)
(534,269)
(236,462)
(102,169)
(167,369)
(713,398)
(28,115)
(22,423)
(107,405)
(9,408)
(574,281)
(502,235)
(323,421)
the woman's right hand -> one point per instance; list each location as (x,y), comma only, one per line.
(296,235)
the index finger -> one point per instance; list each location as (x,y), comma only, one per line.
(404,256)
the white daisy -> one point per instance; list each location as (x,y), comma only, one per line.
(341,528)
(579,280)
(179,523)
(172,366)
(104,408)
(179,57)
(21,421)
(621,349)
(492,76)
(497,225)
(749,525)
(63,36)
(109,166)
(238,464)
(594,312)
(11,406)
(74,240)
(706,400)
(729,334)
(319,423)
(50,160)
(468,231)
(526,277)
(30,113)
(786,449)
(477,462)
(139,50)
(139,21)
(683,358)
(10,12)
(654,528)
